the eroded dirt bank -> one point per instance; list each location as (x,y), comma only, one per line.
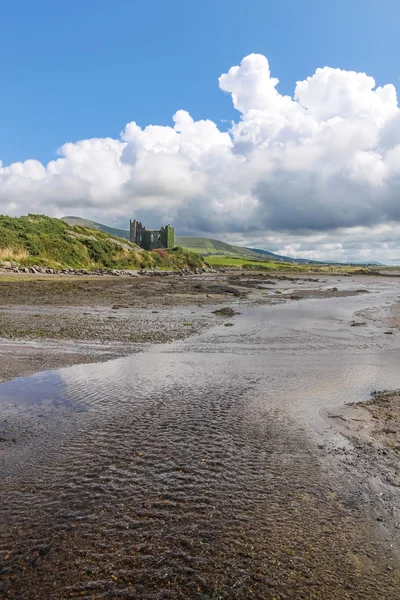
(200,469)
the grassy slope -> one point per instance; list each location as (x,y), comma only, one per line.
(200,245)
(120,233)
(207,246)
(210,248)
(216,252)
(40,240)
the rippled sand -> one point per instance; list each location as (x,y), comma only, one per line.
(200,469)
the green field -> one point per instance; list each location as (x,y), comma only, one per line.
(237,261)
(209,247)
(261,265)
(242,263)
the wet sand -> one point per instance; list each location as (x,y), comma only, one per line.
(50,322)
(376,422)
(47,322)
(208,467)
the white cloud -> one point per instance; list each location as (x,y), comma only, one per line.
(316,174)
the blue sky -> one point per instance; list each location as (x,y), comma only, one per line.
(309,167)
(84,68)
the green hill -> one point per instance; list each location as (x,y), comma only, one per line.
(120,233)
(210,247)
(43,241)
(212,250)
(200,245)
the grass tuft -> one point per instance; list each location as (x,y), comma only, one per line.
(13,254)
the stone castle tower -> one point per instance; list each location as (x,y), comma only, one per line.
(150,239)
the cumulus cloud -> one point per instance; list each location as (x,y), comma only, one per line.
(316,174)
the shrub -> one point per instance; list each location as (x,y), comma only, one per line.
(161,252)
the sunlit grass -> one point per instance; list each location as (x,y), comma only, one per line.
(13,254)
(243,263)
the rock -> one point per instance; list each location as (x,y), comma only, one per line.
(226,312)
(44,550)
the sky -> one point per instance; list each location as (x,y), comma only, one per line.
(272,125)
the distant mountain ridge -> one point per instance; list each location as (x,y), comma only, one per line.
(207,246)
(79,222)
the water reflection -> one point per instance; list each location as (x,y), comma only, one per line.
(41,390)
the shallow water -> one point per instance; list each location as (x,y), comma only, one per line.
(192,470)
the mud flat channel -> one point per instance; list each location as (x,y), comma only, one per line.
(210,464)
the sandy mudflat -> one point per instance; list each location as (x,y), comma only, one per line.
(210,467)
(48,322)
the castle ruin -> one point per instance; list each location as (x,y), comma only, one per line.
(150,239)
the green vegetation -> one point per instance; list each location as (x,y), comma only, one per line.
(261,265)
(200,245)
(168,236)
(119,233)
(43,241)
(209,247)
(167,232)
(238,262)
(146,240)
(212,249)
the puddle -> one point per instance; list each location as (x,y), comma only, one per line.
(43,390)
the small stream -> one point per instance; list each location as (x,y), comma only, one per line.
(195,469)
